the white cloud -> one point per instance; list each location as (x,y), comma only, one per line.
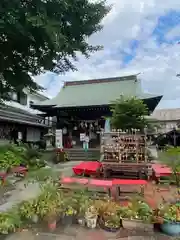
(128,20)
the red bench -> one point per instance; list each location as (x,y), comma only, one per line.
(3,177)
(19,171)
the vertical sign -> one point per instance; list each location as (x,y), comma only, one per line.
(19,136)
(82,137)
(59,138)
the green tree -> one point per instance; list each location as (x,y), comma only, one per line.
(129,113)
(40,35)
(171,158)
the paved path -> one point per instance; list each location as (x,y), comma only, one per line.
(73,232)
(22,192)
(78,233)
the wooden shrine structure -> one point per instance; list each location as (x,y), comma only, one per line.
(124,154)
(80,106)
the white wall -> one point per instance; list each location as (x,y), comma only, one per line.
(33,134)
(167,126)
(30,97)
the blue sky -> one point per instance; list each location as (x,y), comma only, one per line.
(138,36)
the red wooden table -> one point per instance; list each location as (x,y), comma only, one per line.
(160,170)
(87,168)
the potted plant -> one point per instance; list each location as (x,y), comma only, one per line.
(49,210)
(82,201)
(28,211)
(68,215)
(49,204)
(110,222)
(109,217)
(52,217)
(9,221)
(170,214)
(91,216)
(138,214)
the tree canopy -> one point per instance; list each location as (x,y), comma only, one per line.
(40,35)
(129,114)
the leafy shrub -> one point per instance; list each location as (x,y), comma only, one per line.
(35,163)
(61,156)
(42,144)
(9,159)
(9,221)
(32,153)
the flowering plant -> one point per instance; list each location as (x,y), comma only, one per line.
(70,211)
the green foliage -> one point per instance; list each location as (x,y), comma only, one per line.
(170,212)
(50,201)
(32,153)
(138,209)
(42,174)
(9,221)
(171,158)
(27,209)
(9,159)
(61,156)
(13,155)
(129,114)
(152,127)
(39,35)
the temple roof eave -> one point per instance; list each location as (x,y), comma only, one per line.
(58,105)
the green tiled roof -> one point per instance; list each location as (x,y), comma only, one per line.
(97,92)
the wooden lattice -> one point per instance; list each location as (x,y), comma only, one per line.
(124,147)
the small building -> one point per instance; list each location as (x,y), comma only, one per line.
(17,115)
(168,119)
(81,106)
(168,132)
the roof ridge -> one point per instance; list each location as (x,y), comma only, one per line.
(166,109)
(101,80)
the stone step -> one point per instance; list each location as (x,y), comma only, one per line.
(83,158)
(80,155)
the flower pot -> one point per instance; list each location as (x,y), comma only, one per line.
(91,222)
(137,224)
(171,228)
(67,220)
(157,227)
(108,229)
(103,226)
(52,225)
(82,222)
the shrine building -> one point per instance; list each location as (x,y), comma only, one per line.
(81,106)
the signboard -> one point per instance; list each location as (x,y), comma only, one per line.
(59,138)
(19,135)
(82,137)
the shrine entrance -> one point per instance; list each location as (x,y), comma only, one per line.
(80,132)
